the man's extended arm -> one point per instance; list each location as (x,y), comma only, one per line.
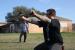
(42,18)
(30,20)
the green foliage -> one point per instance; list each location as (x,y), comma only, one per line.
(10,18)
(17,11)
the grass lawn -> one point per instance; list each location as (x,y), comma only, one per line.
(9,41)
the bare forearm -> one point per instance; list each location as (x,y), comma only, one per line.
(30,20)
(26,19)
(43,18)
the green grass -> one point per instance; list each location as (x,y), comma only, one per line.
(9,41)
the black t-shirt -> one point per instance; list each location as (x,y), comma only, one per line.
(53,30)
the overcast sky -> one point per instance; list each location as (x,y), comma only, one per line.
(64,8)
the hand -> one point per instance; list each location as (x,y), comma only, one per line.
(34,13)
(24,18)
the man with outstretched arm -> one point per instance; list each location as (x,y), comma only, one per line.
(51,28)
(23,28)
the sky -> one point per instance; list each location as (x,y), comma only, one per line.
(64,8)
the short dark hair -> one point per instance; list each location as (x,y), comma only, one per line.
(50,11)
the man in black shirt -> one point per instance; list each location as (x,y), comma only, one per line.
(51,27)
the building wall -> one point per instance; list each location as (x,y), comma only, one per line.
(66,27)
(4,28)
(35,29)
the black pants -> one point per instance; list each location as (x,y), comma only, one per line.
(23,34)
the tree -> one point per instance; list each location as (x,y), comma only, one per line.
(17,11)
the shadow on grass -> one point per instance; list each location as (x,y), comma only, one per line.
(42,46)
